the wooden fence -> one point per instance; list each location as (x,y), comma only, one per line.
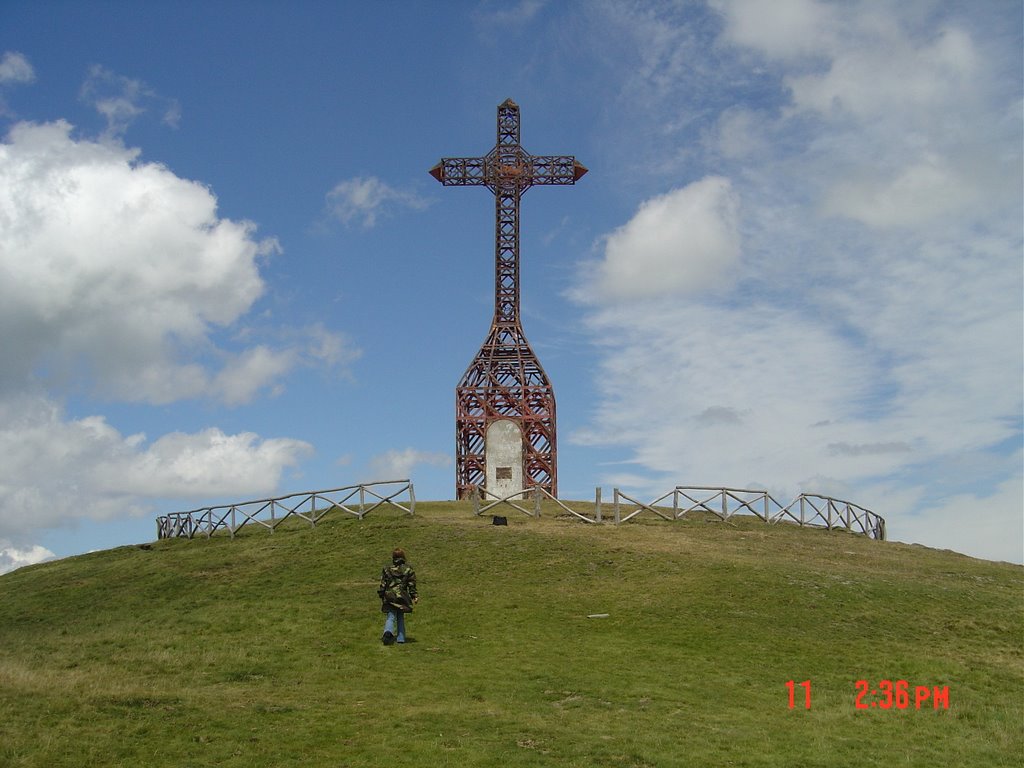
(480,496)
(807,509)
(312,506)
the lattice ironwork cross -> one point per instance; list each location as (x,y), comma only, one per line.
(505,382)
(508,171)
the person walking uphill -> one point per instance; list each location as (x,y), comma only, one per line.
(397,593)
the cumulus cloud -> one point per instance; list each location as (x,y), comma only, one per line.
(918,121)
(894,71)
(860,58)
(398,464)
(869,341)
(243,377)
(58,470)
(15,68)
(119,277)
(364,199)
(12,557)
(120,270)
(200,465)
(786,29)
(683,242)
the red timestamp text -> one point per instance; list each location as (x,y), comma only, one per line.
(899,694)
(805,686)
(889,694)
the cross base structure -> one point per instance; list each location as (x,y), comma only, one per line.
(505,436)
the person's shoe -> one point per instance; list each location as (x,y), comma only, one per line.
(387,638)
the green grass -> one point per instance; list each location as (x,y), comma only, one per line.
(265,650)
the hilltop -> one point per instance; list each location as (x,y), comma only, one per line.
(264,650)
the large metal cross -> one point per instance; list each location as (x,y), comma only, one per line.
(508,171)
(505,382)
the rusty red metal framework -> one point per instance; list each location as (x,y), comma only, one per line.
(505,380)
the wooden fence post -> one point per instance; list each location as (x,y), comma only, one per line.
(616,505)
(597,504)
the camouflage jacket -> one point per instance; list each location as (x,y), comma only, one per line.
(397,588)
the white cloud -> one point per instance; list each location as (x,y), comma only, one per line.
(683,242)
(12,557)
(882,69)
(15,68)
(398,464)
(120,100)
(121,270)
(869,343)
(863,59)
(119,277)
(988,524)
(918,117)
(731,397)
(364,199)
(785,28)
(918,194)
(200,465)
(57,471)
(329,347)
(767,398)
(243,377)
(246,374)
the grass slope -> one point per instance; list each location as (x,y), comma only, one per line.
(264,650)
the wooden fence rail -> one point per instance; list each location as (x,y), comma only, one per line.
(311,506)
(831,513)
(807,509)
(480,495)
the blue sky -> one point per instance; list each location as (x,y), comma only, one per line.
(795,264)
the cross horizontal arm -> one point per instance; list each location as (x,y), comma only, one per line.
(526,171)
(555,169)
(460,171)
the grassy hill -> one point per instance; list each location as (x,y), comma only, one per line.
(265,650)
